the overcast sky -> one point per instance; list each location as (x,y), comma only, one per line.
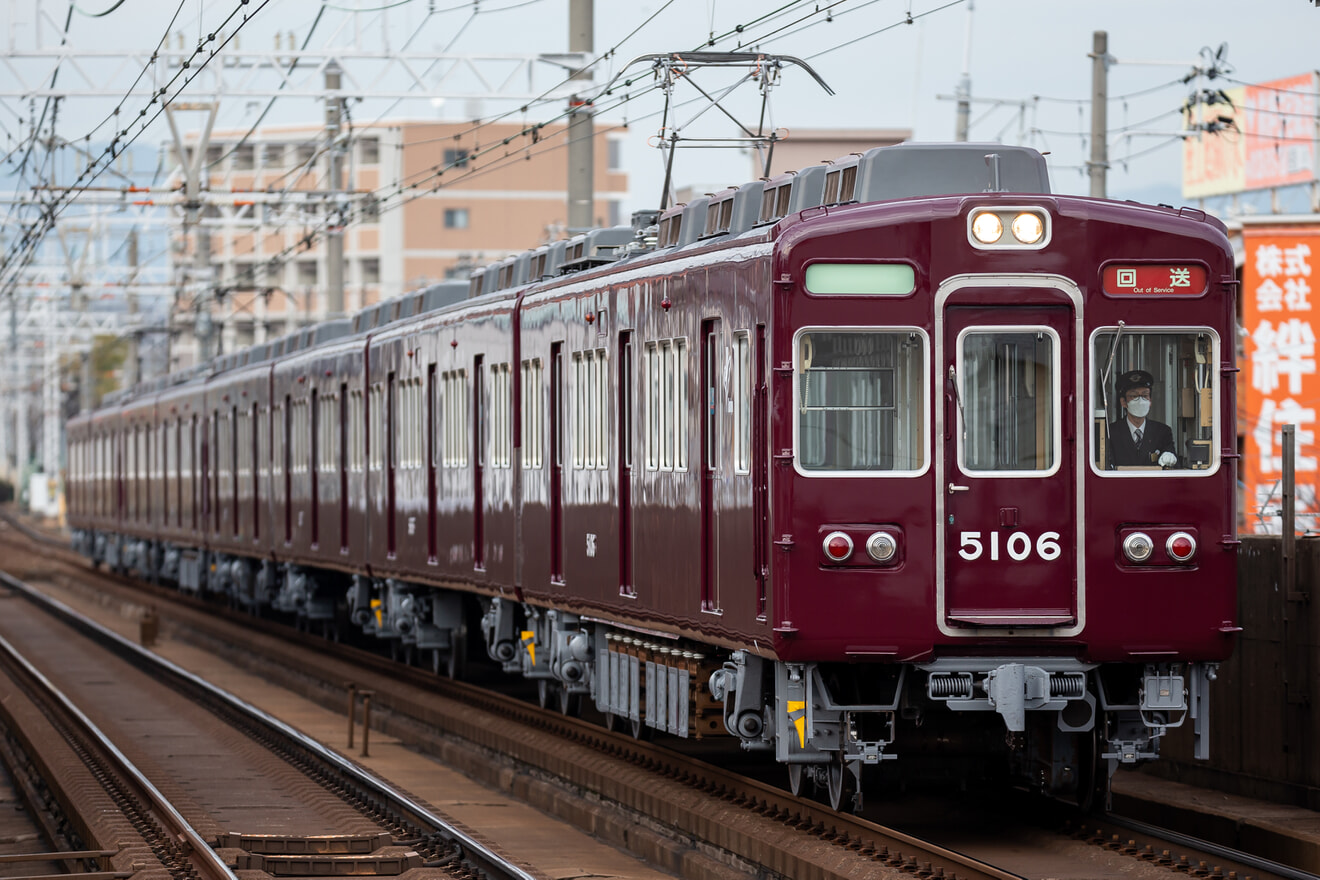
(1032,55)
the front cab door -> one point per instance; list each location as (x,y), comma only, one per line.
(1009,502)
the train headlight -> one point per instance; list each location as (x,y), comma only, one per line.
(881,547)
(1137,547)
(1028,228)
(837,546)
(987,227)
(1181,547)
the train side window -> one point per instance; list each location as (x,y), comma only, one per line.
(456,418)
(277,440)
(666,405)
(403,423)
(243,452)
(1154,402)
(532,431)
(591,410)
(862,399)
(1009,388)
(417,427)
(376,436)
(302,431)
(163,469)
(742,403)
(500,402)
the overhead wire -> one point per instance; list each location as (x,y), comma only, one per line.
(905,22)
(118,4)
(19,254)
(419,185)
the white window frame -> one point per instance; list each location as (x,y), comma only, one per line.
(742,402)
(1056,402)
(926,402)
(1097,403)
(532,428)
(667,405)
(456,418)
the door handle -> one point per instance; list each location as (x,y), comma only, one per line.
(954,487)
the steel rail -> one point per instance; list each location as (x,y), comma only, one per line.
(1238,857)
(779,805)
(208,863)
(470,850)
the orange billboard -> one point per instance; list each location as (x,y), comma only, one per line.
(1281,385)
(1279,132)
(1265,139)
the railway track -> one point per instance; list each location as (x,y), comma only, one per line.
(301,808)
(612,782)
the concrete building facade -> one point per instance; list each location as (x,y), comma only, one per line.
(448,196)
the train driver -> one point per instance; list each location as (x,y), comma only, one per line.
(1136,439)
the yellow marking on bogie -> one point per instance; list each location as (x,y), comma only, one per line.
(799,708)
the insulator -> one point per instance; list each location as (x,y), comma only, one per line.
(1068,686)
(943,686)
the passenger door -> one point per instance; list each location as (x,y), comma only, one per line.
(1009,456)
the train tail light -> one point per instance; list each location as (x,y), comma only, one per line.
(837,546)
(1181,547)
(1137,546)
(881,546)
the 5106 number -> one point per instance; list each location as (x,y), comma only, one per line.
(1018,546)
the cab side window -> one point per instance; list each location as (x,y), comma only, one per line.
(1154,397)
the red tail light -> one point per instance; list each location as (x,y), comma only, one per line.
(1181,547)
(838,546)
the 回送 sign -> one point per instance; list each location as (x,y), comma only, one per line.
(1154,279)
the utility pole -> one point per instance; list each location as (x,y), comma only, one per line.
(1099,164)
(334,240)
(581,134)
(192,167)
(133,362)
(965,83)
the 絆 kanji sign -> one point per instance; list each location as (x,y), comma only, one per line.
(1281,384)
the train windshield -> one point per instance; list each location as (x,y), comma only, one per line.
(1154,400)
(1007,381)
(861,401)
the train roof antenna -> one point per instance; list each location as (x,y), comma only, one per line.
(992,159)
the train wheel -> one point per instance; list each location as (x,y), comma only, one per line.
(457,654)
(639,729)
(447,663)
(569,704)
(795,779)
(544,691)
(842,785)
(1093,784)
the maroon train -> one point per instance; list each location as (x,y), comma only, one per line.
(825,462)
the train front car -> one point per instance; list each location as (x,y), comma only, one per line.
(1002,490)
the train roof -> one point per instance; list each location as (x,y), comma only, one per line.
(912,170)
(900,171)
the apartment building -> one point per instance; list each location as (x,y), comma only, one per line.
(432,200)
